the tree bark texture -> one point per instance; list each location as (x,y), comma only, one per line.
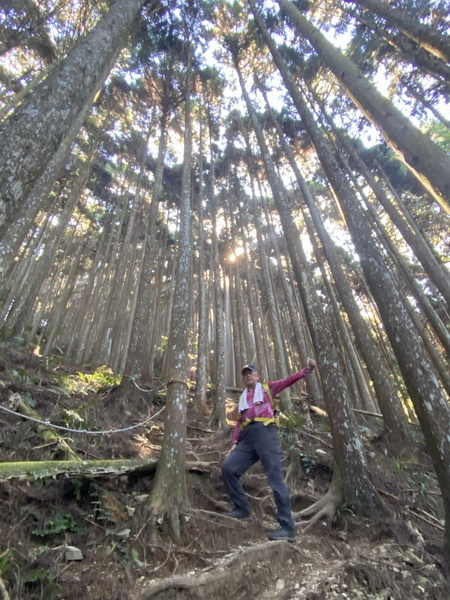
(169,494)
(427,161)
(421,33)
(395,421)
(33,133)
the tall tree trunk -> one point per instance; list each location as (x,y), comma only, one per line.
(427,161)
(274,325)
(419,96)
(60,307)
(253,307)
(408,50)
(38,198)
(122,258)
(135,365)
(423,34)
(169,495)
(33,133)
(201,375)
(92,305)
(401,219)
(218,416)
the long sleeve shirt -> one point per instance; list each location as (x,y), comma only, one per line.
(264,409)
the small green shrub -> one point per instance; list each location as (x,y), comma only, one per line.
(40,583)
(58,523)
(292,423)
(6,561)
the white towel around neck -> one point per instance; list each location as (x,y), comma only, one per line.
(257,398)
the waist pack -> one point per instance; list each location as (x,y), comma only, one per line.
(265,420)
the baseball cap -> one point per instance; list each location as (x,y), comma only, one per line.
(248,368)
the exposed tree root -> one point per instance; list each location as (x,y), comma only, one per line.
(3,593)
(218,581)
(325,508)
(164,516)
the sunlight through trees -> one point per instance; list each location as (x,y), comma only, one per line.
(187,187)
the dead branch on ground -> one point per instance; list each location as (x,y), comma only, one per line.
(314,437)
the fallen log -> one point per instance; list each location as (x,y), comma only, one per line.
(71,469)
(67,469)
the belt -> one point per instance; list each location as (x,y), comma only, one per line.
(265,420)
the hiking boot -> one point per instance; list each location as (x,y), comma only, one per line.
(239,513)
(283,533)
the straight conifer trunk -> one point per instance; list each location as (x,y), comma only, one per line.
(32,134)
(398,213)
(394,418)
(169,495)
(218,416)
(424,35)
(427,161)
(201,376)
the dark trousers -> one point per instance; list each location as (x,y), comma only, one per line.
(258,442)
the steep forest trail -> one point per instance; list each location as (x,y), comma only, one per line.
(68,538)
(354,559)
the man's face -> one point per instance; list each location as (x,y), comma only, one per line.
(250,378)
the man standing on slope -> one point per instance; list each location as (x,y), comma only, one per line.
(256,438)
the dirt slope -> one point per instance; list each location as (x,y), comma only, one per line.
(218,558)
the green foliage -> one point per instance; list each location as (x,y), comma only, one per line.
(85,383)
(366,431)
(22,343)
(289,427)
(58,523)
(102,377)
(133,559)
(163,344)
(210,389)
(424,482)
(292,423)
(36,575)
(54,361)
(22,375)
(6,560)
(39,583)
(28,398)
(439,133)
(325,426)
(398,466)
(99,511)
(308,464)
